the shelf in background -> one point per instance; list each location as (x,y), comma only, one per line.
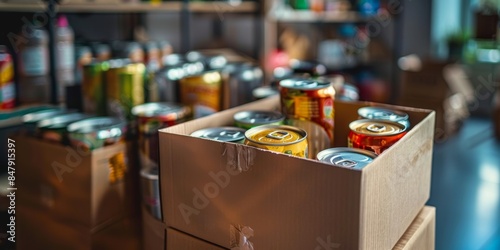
(306,16)
(219,7)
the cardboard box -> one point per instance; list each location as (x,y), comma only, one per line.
(73,191)
(421,233)
(153,231)
(227,193)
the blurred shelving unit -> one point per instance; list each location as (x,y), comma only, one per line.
(185,8)
(278,14)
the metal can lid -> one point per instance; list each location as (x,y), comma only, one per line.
(304,84)
(150,173)
(377,127)
(118,63)
(226,134)
(346,157)
(264,92)
(173,60)
(42,114)
(382,114)
(104,127)
(154,109)
(61,121)
(258,117)
(275,135)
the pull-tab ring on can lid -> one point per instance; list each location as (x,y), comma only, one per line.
(376,128)
(345,163)
(278,135)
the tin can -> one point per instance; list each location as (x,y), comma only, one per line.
(375,135)
(101,51)
(264,92)
(240,79)
(254,118)
(7,89)
(31,120)
(384,114)
(97,132)
(151,191)
(346,157)
(165,49)
(150,118)
(153,56)
(202,92)
(55,129)
(224,134)
(93,91)
(127,92)
(279,138)
(312,101)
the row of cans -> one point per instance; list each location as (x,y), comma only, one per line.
(71,128)
(207,83)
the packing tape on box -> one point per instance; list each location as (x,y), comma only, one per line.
(239,237)
(239,158)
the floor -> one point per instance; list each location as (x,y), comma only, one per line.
(466,189)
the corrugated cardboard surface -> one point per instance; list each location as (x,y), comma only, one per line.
(72,184)
(209,187)
(421,234)
(177,240)
(153,232)
(67,199)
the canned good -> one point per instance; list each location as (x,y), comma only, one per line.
(151,191)
(310,100)
(210,61)
(375,135)
(153,56)
(150,118)
(240,80)
(225,134)
(312,69)
(127,92)
(93,91)
(384,114)
(250,119)
(94,133)
(264,92)
(346,157)
(279,138)
(55,129)
(101,51)
(83,56)
(165,50)
(31,120)
(7,89)
(202,92)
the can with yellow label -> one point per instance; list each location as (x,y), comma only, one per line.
(278,138)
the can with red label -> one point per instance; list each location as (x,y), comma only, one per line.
(375,135)
(309,105)
(7,89)
(151,117)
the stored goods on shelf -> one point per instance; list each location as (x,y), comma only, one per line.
(203,92)
(65,56)
(93,88)
(34,69)
(240,79)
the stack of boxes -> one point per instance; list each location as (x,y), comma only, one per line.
(218,195)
